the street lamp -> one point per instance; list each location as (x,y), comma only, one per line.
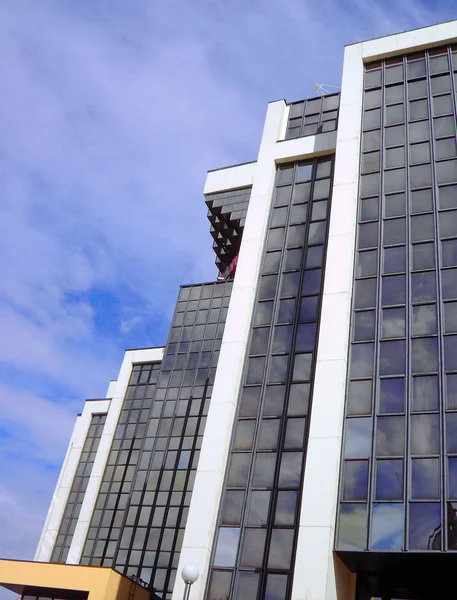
(190,575)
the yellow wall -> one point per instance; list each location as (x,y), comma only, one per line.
(102,583)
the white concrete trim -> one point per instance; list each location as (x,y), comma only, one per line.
(230,178)
(409,41)
(118,390)
(67,474)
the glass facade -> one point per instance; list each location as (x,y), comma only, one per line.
(227,214)
(312,116)
(253,552)
(141,512)
(78,489)
(399,470)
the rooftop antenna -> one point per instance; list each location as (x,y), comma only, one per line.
(323,88)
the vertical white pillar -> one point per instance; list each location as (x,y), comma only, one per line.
(201,522)
(318,573)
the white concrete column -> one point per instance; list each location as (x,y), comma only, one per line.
(318,574)
(201,522)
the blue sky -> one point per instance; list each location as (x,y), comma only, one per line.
(111,113)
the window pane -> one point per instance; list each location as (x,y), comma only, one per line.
(392,395)
(448,196)
(259,340)
(451,391)
(390,436)
(227,546)
(275,238)
(258,508)
(392,358)
(255,370)
(394,232)
(450,353)
(282,339)
(250,401)
(419,131)
(389,479)
(362,360)
(357,441)
(359,398)
(312,282)
(308,308)
(451,433)
(419,153)
(268,438)
(423,287)
(393,290)
(394,114)
(244,435)
(302,367)
(295,433)
(278,369)
(394,205)
(273,404)
(424,355)
(355,480)
(289,473)
(285,508)
(276,587)
(449,283)
(367,263)
(364,323)
(395,157)
(289,284)
(394,259)
(365,293)
(420,176)
(370,162)
(233,504)
(220,585)
(448,224)
(449,252)
(247,586)
(423,256)
(424,319)
(452,485)
(305,340)
(425,526)
(298,399)
(394,181)
(418,109)
(264,470)
(352,527)
(417,89)
(369,209)
(425,434)
(394,93)
(369,184)
(422,228)
(387,527)
(239,469)
(280,549)
(286,311)
(421,201)
(394,136)
(425,479)
(445,148)
(253,547)
(393,322)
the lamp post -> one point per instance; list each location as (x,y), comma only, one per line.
(190,575)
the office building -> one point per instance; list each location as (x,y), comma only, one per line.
(296,437)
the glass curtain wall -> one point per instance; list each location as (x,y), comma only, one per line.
(398,485)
